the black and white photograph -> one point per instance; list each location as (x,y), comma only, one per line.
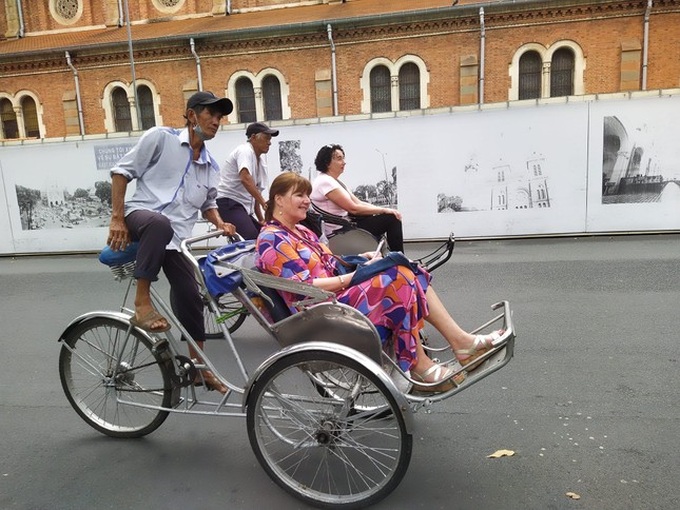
(55,206)
(500,187)
(634,165)
(640,161)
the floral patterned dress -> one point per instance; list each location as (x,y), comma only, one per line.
(394,301)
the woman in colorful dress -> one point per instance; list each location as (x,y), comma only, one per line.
(396,301)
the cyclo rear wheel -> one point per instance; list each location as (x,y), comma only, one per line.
(106,374)
(346,447)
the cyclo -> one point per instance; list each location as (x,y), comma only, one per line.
(329,415)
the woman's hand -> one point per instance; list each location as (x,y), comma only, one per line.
(333,283)
(393,211)
(372,256)
(371,260)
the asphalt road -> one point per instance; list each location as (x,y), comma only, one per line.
(589,405)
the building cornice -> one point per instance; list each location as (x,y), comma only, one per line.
(391,26)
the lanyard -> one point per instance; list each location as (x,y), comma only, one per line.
(324,257)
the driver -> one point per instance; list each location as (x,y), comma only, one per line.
(176,177)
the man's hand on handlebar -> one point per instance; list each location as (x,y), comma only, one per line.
(227,228)
(119,237)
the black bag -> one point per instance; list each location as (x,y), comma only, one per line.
(313,222)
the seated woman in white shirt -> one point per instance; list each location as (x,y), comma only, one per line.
(331,195)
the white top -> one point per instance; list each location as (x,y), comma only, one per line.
(230,185)
(321,187)
(169,180)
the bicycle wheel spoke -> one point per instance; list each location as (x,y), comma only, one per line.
(328,430)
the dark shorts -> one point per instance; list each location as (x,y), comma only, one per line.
(233,212)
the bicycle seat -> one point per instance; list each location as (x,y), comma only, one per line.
(117,258)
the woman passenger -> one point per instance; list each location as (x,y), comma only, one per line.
(396,301)
(331,195)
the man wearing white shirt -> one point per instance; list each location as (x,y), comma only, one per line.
(243,178)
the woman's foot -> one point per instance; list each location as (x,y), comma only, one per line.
(437,374)
(480,345)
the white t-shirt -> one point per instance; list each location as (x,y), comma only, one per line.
(321,187)
(230,185)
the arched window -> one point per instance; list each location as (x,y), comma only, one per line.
(145,98)
(122,117)
(531,77)
(562,73)
(388,86)
(381,97)
(261,96)
(10,127)
(271,93)
(30,114)
(409,87)
(530,66)
(245,100)
(120,112)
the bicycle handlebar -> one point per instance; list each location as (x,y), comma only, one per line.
(185,246)
(186,243)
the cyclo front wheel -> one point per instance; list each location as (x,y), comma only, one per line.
(108,375)
(345,447)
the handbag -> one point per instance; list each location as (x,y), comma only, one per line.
(221,267)
(314,222)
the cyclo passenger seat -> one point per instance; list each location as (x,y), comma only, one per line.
(278,310)
(121,262)
(221,274)
(348,239)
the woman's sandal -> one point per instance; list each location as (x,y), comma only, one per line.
(480,345)
(442,375)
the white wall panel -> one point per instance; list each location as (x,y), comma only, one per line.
(505,170)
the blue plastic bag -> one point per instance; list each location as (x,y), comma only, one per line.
(221,279)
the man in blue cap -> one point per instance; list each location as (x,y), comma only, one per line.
(176,177)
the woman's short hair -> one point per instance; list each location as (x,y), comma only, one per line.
(282,184)
(325,155)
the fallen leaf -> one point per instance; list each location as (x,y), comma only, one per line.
(500,453)
(573,495)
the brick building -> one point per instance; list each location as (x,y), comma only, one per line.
(66,67)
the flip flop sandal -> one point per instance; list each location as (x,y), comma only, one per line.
(145,322)
(480,345)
